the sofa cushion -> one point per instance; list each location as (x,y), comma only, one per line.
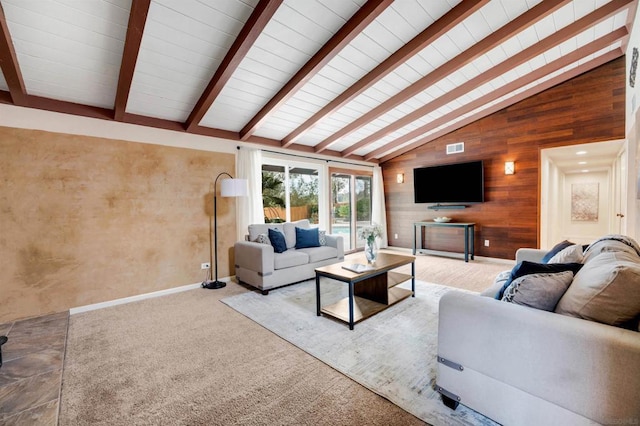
(289,230)
(289,259)
(277,241)
(322,237)
(539,291)
(607,290)
(307,238)
(316,254)
(262,228)
(555,250)
(526,268)
(571,254)
(611,243)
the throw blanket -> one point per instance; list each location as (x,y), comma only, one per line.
(616,237)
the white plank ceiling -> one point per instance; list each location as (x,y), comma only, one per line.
(330,77)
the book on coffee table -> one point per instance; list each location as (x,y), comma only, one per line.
(358,267)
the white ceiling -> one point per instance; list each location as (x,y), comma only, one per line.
(585,158)
(72,51)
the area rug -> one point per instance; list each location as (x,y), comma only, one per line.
(392,353)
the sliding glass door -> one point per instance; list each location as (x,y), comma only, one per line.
(350,205)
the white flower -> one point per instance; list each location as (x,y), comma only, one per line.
(370,232)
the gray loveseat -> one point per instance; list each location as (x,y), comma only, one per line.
(524,366)
(258,265)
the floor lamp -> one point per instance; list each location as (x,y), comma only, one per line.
(228,188)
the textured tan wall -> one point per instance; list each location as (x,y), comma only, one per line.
(85,220)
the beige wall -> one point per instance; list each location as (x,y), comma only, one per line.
(87,219)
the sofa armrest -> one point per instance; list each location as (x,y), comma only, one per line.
(334,240)
(530,254)
(585,367)
(254,256)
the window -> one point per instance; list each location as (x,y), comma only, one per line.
(290,193)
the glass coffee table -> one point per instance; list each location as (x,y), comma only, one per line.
(371,291)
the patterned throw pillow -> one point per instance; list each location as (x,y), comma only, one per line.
(323,238)
(263,239)
(527,268)
(539,291)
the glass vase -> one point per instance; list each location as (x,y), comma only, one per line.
(371,250)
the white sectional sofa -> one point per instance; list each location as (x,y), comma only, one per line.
(523,366)
(258,264)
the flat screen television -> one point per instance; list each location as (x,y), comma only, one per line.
(458,183)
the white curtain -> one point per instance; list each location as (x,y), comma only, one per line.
(378,209)
(249,209)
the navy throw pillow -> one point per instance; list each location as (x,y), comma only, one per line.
(555,250)
(277,241)
(307,237)
(527,268)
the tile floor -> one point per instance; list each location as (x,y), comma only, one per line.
(31,373)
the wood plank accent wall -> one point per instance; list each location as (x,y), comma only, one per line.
(588,108)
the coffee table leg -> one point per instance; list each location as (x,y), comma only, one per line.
(350,305)
(317,295)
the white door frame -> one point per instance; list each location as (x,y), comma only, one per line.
(552,181)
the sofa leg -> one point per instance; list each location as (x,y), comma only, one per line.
(265,292)
(450,402)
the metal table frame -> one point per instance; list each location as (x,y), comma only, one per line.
(351,281)
(469,232)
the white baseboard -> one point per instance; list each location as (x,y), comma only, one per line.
(138,297)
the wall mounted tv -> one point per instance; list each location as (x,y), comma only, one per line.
(459,183)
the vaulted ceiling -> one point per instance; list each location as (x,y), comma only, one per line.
(358,79)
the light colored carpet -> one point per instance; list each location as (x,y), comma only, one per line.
(392,353)
(187,359)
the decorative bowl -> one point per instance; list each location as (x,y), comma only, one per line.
(442,219)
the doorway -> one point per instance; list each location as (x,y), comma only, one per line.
(582,192)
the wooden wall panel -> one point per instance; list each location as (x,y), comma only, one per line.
(588,108)
(87,220)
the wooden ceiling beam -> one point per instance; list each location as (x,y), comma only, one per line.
(558,64)
(354,26)
(588,66)
(631,14)
(9,64)
(132,42)
(5,97)
(250,32)
(452,18)
(527,54)
(81,110)
(527,19)
(66,107)
(266,142)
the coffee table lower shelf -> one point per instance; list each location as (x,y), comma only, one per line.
(364,308)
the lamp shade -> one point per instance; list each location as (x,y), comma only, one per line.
(509,167)
(233,188)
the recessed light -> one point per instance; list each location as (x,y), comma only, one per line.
(585,171)
(582,162)
(581,152)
